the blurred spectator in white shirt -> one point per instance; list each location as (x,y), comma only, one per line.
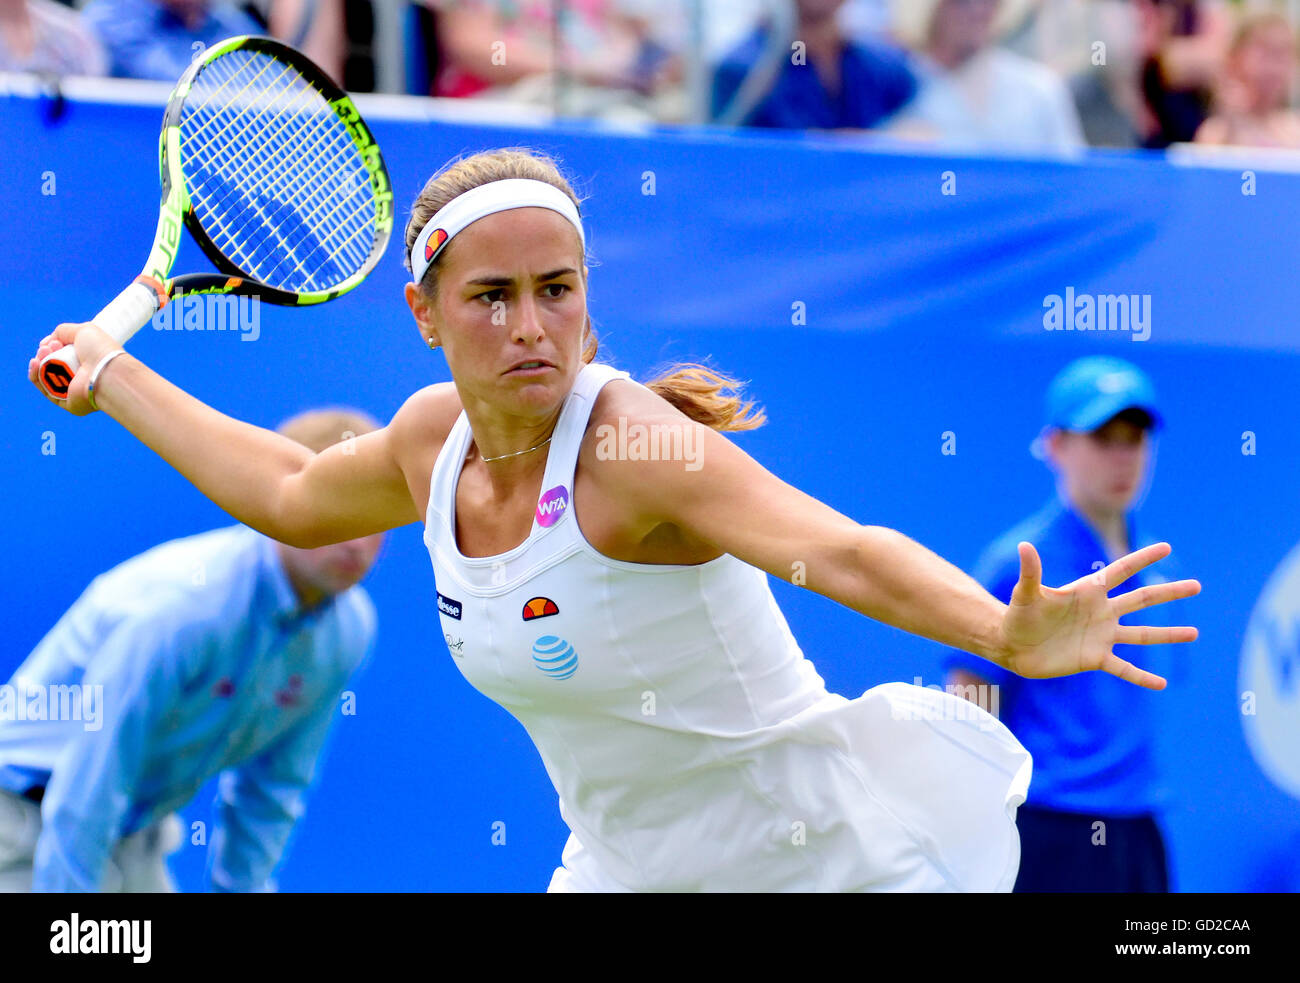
(1252,99)
(974,93)
(1097,47)
(46,37)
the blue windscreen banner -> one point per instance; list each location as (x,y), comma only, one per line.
(898,313)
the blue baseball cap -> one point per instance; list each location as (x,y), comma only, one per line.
(1092,390)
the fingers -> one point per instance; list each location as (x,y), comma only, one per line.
(63,336)
(1147,635)
(46,346)
(1130,673)
(66,334)
(1126,566)
(1145,597)
(34,364)
(1031,575)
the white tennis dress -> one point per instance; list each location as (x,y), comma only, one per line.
(692,745)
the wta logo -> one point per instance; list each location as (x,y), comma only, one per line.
(555,657)
(552,506)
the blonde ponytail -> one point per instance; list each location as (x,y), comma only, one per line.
(707,397)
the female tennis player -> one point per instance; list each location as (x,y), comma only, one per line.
(600,551)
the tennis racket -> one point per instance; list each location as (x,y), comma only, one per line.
(275,174)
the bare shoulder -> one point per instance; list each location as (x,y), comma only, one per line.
(642,449)
(420,426)
(640,455)
(626,411)
(632,402)
(419,429)
(416,435)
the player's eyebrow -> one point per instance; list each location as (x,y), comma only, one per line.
(506,281)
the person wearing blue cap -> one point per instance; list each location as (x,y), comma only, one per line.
(1090,822)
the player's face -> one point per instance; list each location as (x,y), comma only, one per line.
(511,289)
(1103,469)
(329,570)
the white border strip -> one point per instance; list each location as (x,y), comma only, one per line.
(137,92)
(499,112)
(1234,158)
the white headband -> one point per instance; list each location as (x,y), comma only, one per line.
(477,203)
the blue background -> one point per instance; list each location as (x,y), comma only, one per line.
(924,315)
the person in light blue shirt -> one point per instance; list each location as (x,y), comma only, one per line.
(973,92)
(1093,743)
(224,653)
(157,39)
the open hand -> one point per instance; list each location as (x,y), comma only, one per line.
(1058,631)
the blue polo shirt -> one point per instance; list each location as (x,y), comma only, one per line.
(1092,735)
(188,661)
(876,80)
(146,40)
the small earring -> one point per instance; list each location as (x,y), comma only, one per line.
(432,344)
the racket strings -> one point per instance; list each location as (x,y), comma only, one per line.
(232,237)
(309,141)
(262,174)
(200,153)
(247,145)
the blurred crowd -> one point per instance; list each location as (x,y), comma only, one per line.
(987,73)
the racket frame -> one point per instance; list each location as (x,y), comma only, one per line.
(133,308)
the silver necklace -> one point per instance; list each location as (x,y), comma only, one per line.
(488,460)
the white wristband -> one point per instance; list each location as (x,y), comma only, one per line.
(94,376)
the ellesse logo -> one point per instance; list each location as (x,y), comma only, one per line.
(448,607)
(540,607)
(433,242)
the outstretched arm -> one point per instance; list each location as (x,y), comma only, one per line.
(261,478)
(733,503)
